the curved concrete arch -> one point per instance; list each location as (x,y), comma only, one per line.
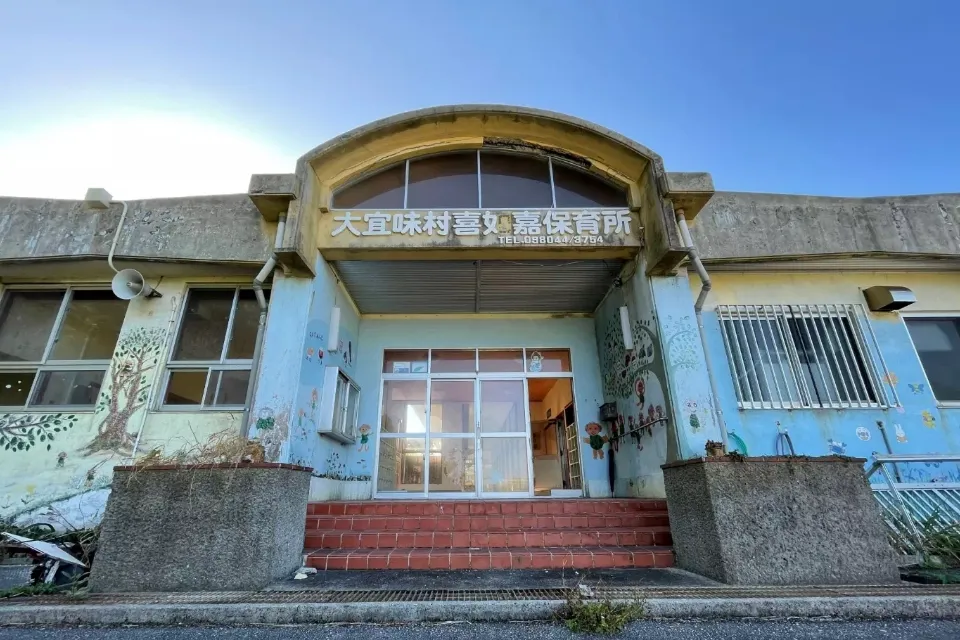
(436,129)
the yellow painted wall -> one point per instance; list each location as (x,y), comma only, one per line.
(935,291)
(65,477)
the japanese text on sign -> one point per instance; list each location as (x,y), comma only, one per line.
(588,226)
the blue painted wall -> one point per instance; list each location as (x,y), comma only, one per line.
(577,334)
(919,425)
(294,357)
(642,436)
(307,447)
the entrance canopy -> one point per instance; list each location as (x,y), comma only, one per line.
(477,286)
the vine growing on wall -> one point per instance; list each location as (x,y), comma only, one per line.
(138,353)
(23,431)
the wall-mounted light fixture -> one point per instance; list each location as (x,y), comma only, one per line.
(333,337)
(884,298)
(625,328)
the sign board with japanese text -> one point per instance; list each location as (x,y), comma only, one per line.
(548,229)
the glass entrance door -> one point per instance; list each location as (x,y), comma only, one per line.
(506,463)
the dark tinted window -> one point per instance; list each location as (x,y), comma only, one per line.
(514,182)
(576,189)
(937,341)
(444,182)
(383,190)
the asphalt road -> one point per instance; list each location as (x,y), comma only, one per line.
(648,630)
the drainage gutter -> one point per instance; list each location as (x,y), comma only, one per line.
(706,286)
(258,283)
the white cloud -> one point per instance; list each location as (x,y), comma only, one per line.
(146,155)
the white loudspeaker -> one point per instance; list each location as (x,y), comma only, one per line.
(129,284)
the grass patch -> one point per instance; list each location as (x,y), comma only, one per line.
(40,589)
(598,616)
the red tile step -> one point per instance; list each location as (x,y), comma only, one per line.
(551,506)
(379,539)
(631,520)
(541,558)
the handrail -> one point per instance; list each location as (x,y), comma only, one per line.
(880,462)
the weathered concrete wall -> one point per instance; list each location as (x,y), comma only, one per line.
(56,465)
(778,521)
(753,226)
(290,386)
(225,228)
(642,437)
(236,528)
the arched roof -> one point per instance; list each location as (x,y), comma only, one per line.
(437,129)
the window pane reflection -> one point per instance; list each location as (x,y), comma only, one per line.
(400,466)
(577,189)
(513,181)
(404,406)
(447,181)
(383,190)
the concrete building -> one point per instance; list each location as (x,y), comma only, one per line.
(473,302)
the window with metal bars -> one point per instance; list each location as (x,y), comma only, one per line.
(800,356)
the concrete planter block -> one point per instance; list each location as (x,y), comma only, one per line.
(778,521)
(201,528)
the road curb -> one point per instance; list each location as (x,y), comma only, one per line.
(926,607)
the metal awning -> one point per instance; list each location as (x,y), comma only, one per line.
(478,286)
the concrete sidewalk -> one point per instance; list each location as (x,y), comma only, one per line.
(683,597)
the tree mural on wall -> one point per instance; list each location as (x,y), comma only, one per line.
(138,353)
(21,432)
(621,367)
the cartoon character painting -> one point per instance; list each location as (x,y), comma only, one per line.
(640,389)
(928,420)
(595,440)
(901,435)
(536,362)
(364,438)
(836,448)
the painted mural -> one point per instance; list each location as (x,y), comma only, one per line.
(917,425)
(290,388)
(57,467)
(632,379)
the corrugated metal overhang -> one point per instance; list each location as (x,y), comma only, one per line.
(478,286)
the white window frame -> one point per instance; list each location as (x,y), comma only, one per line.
(46,364)
(476,377)
(223,364)
(800,396)
(952,315)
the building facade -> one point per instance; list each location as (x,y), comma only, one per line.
(472,302)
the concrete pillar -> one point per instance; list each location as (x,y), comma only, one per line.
(693,413)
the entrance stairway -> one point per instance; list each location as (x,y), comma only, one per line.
(488,534)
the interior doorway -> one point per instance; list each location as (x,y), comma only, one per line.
(553,438)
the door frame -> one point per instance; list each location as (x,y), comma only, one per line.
(476,376)
(505,434)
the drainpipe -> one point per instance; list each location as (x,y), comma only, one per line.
(116,234)
(705,287)
(258,281)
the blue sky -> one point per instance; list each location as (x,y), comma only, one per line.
(847,97)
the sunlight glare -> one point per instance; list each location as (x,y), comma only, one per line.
(135,156)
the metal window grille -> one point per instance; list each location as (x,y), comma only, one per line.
(803,356)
